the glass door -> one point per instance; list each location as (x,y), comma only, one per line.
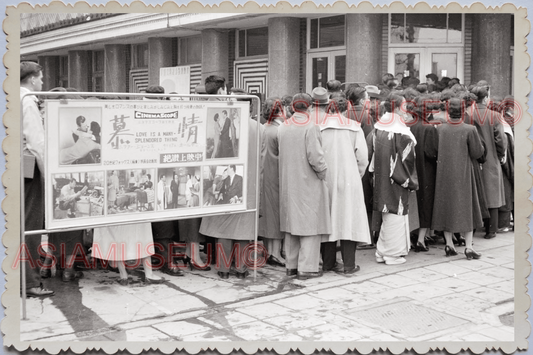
(447,62)
(325,66)
(405,62)
(419,62)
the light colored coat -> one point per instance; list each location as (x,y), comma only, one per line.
(346,154)
(304,198)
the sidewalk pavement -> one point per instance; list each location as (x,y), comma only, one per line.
(429,298)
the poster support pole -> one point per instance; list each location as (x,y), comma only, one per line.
(257,185)
(22,217)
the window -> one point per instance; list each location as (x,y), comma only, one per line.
(190,50)
(98,70)
(140,55)
(327,32)
(253,42)
(426,28)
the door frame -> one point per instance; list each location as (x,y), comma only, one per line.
(425,59)
(331,54)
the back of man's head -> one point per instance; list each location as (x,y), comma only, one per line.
(29,70)
(213,83)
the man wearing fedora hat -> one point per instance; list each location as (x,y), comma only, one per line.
(304,201)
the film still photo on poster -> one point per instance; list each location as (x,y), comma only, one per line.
(223,184)
(223,130)
(178,187)
(80,135)
(130,190)
(77,195)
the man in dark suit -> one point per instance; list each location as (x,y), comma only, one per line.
(174,189)
(232,188)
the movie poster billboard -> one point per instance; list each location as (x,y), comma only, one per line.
(119,161)
(176,80)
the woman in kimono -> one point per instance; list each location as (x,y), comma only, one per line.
(392,147)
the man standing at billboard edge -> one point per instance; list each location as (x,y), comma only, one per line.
(31,76)
(304,198)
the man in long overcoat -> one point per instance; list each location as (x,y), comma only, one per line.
(304,201)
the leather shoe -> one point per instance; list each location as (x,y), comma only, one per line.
(420,247)
(302,275)
(154,281)
(349,271)
(173,271)
(71,276)
(123,282)
(39,292)
(242,275)
(223,275)
(45,272)
(490,235)
(292,272)
(272,260)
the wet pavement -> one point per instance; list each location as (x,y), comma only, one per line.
(429,298)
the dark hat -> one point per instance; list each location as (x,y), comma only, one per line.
(320,96)
(155,89)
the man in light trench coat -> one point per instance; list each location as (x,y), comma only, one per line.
(304,201)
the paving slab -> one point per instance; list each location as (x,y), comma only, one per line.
(227,320)
(422,274)
(499,272)
(45,320)
(265,310)
(480,278)
(181,328)
(146,334)
(454,283)
(447,268)
(395,281)
(257,331)
(490,295)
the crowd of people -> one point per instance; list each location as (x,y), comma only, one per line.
(393,166)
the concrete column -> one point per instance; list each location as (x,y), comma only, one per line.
(283,56)
(50,66)
(491,52)
(159,56)
(115,72)
(78,70)
(215,53)
(363,47)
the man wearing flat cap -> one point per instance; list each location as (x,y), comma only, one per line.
(304,201)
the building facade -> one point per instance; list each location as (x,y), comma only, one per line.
(272,54)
